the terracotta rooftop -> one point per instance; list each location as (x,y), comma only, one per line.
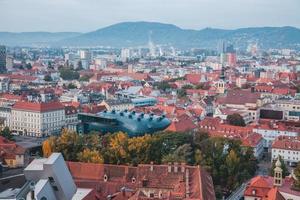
(287,143)
(239,97)
(37,106)
(262,187)
(125,182)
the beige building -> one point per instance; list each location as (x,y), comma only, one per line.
(37,119)
(290,108)
(111,104)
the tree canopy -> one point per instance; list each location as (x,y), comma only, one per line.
(235,120)
(297,175)
(48,78)
(6,133)
(224,159)
(67,73)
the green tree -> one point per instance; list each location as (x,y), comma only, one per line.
(164,86)
(28,66)
(50,65)
(235,120)
(48,78)
(72,86)
(85,78)
(181,93)
(6,133)
(69,144)
(186,87)
(182,154)
(138,149)
(79,65)
(297,87)
(297,176)
(67,73)
(117,149)
(90,156)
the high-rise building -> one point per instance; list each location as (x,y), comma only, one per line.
(231,59)
(125,54)
(2,59)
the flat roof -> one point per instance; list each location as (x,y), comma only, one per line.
(81,193)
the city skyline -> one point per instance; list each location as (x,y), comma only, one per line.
(85,16)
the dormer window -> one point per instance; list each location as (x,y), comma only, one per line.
(105,178)
(253,192)
(133,180)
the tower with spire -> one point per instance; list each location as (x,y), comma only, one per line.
(277,173)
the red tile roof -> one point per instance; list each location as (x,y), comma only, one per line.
(252,140)
(239,97)
(9,149)
(193,78)
(182,125)
(262,187)
(287,143)
(134,179)
(37,106)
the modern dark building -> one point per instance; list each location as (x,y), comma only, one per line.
(132,123)
(2,59)
(271,114)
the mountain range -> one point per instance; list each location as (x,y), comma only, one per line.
(133,34)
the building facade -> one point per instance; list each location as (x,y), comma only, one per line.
(291,109)
(2,59)
(288,148)
(37,119)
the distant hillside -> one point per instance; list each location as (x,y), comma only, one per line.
(131,34)
(33,38)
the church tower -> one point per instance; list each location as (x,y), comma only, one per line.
(221,83)
(278,173)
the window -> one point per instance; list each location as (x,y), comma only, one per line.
(105,178)
(51,179)
(55,188)
(133,180)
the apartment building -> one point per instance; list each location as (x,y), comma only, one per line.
(37,119)
(290,108)
(288,148)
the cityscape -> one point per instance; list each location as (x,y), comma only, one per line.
(148,106)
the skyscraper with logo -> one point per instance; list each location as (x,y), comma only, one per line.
(2,59)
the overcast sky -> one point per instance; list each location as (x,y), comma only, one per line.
(89,15)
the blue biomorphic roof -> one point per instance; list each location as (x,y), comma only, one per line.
(135,124)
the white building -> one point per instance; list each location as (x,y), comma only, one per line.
(71,115)
(116,104)
(5,115)
(288,148)
(290,108)
(37,119)
(4,84)
(256,142)
(48,179)
(272,131)
(125,54)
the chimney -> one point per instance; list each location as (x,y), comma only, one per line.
(169,167)
(182,167)
(151,166)
(187,186)
(175,167)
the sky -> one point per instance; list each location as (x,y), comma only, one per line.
(89,15)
